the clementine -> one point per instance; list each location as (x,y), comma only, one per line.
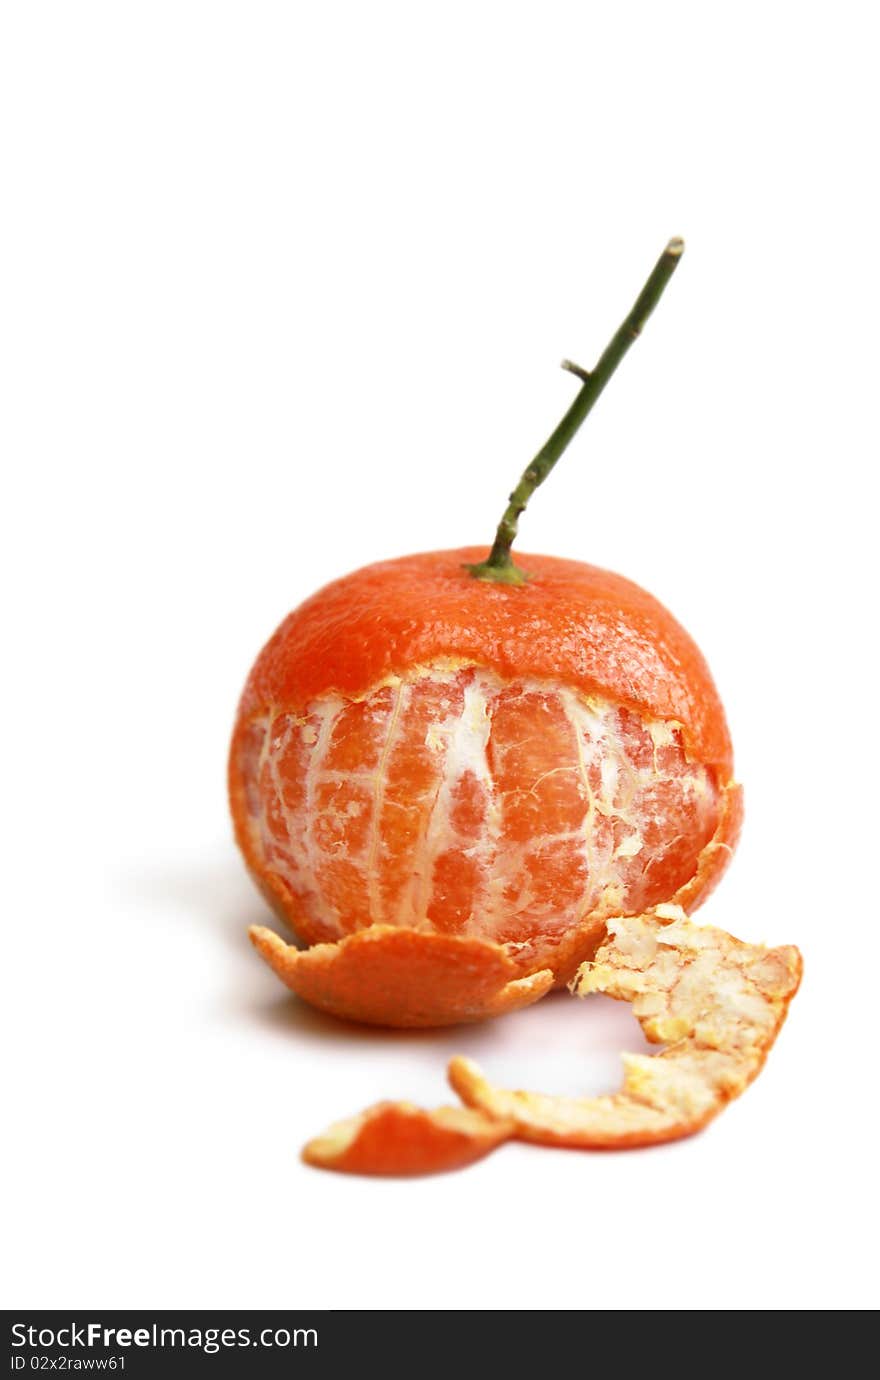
(445,784)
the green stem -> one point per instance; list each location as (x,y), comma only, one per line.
(499,564)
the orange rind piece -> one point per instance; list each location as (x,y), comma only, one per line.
(713,859)
(397,1138)
(408,978)
(716,1003)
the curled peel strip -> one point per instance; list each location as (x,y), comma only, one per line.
(411,978)
(398,1138)
(716,1003)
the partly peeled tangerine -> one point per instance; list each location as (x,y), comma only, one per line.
(449,769)
(715,1003)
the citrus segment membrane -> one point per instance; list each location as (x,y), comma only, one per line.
(715,1002)
(456,802)
(397,1138)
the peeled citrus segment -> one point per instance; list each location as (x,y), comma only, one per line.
(457,801)
(390,976)
(718,1005)
(565,953)
(399,1138)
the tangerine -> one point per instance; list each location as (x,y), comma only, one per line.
(504,767)
(446,785)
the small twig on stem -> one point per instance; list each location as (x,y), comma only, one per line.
(499,564)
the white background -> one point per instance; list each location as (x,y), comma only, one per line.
(285,289)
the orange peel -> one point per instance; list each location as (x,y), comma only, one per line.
(407,978)
(397,1138)
(717,853)
(716,1003)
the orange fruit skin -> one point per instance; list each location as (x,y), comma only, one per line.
(395,1138)
(575,623)
(682,1002)
(421,979)
(572,626)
